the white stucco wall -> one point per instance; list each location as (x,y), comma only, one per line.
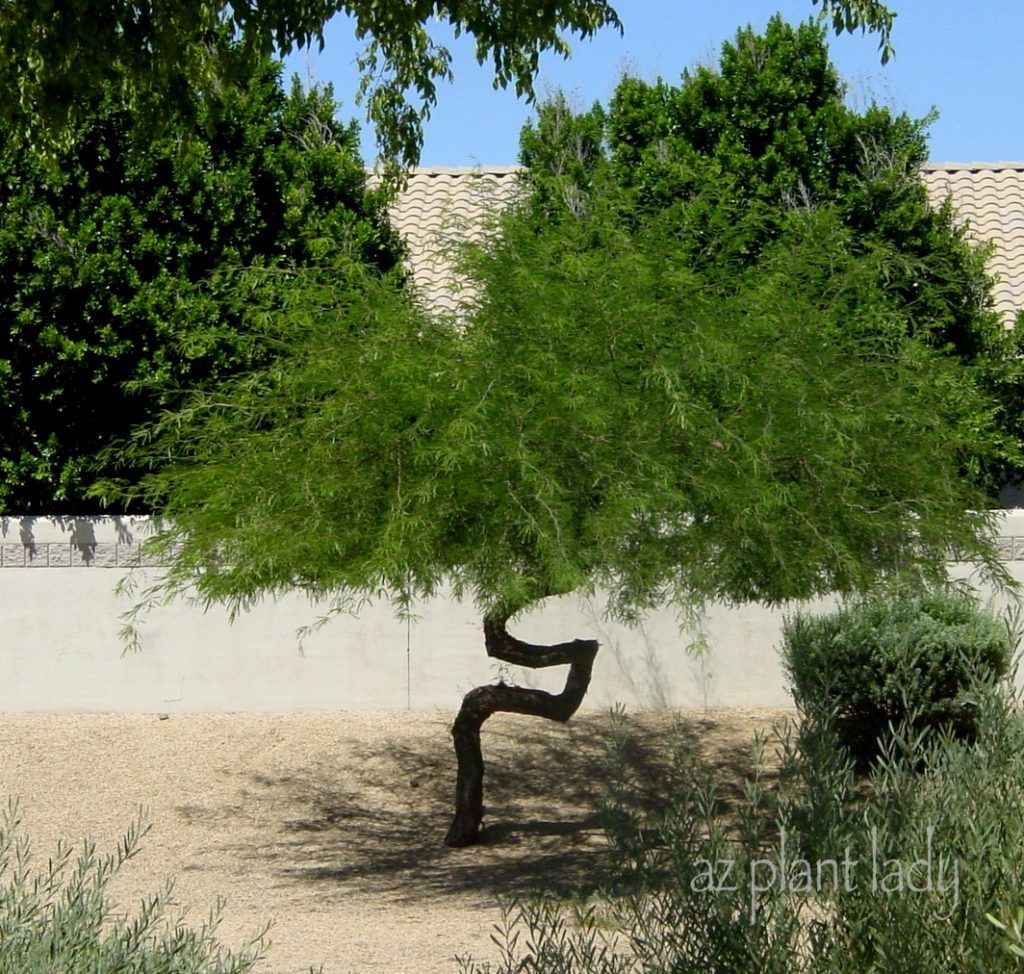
(61,651)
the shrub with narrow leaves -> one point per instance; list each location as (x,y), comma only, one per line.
(59,919)
(915,871)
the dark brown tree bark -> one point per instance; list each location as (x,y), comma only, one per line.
(483,701)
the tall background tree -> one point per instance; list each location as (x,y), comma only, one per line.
(769,129)
(669,395)
(157,54)
(114,257)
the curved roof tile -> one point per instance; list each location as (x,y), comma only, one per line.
(440,207)
(989,198)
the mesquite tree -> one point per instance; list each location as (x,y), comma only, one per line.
(668,397)
(602,416)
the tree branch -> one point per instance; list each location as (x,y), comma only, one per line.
(481,702)
(502,645)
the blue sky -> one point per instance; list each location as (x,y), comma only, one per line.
(964,57)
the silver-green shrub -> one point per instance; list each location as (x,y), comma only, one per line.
(58,919)
(814,870)
(904,654)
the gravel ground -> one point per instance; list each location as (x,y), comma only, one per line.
(330,825)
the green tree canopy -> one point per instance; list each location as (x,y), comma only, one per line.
(612,409)
(769,129)
(55,54)
(583,429)
(113,265)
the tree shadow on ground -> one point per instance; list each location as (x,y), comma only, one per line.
(374,821)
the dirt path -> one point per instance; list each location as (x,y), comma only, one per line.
(331,824)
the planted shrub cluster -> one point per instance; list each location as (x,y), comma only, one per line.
(59,919)
(808,867)
(916,656)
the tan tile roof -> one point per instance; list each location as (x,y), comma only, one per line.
(442,206)
(989,196)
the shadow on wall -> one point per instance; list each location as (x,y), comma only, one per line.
(641,664)
(76,541)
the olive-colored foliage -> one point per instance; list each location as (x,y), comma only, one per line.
(55,52)
(57,915)
(916,657)
(768,129)
(806,872)
(111,257)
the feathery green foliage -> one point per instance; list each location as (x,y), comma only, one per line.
(605,415)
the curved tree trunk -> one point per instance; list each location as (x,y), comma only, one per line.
(483,701)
